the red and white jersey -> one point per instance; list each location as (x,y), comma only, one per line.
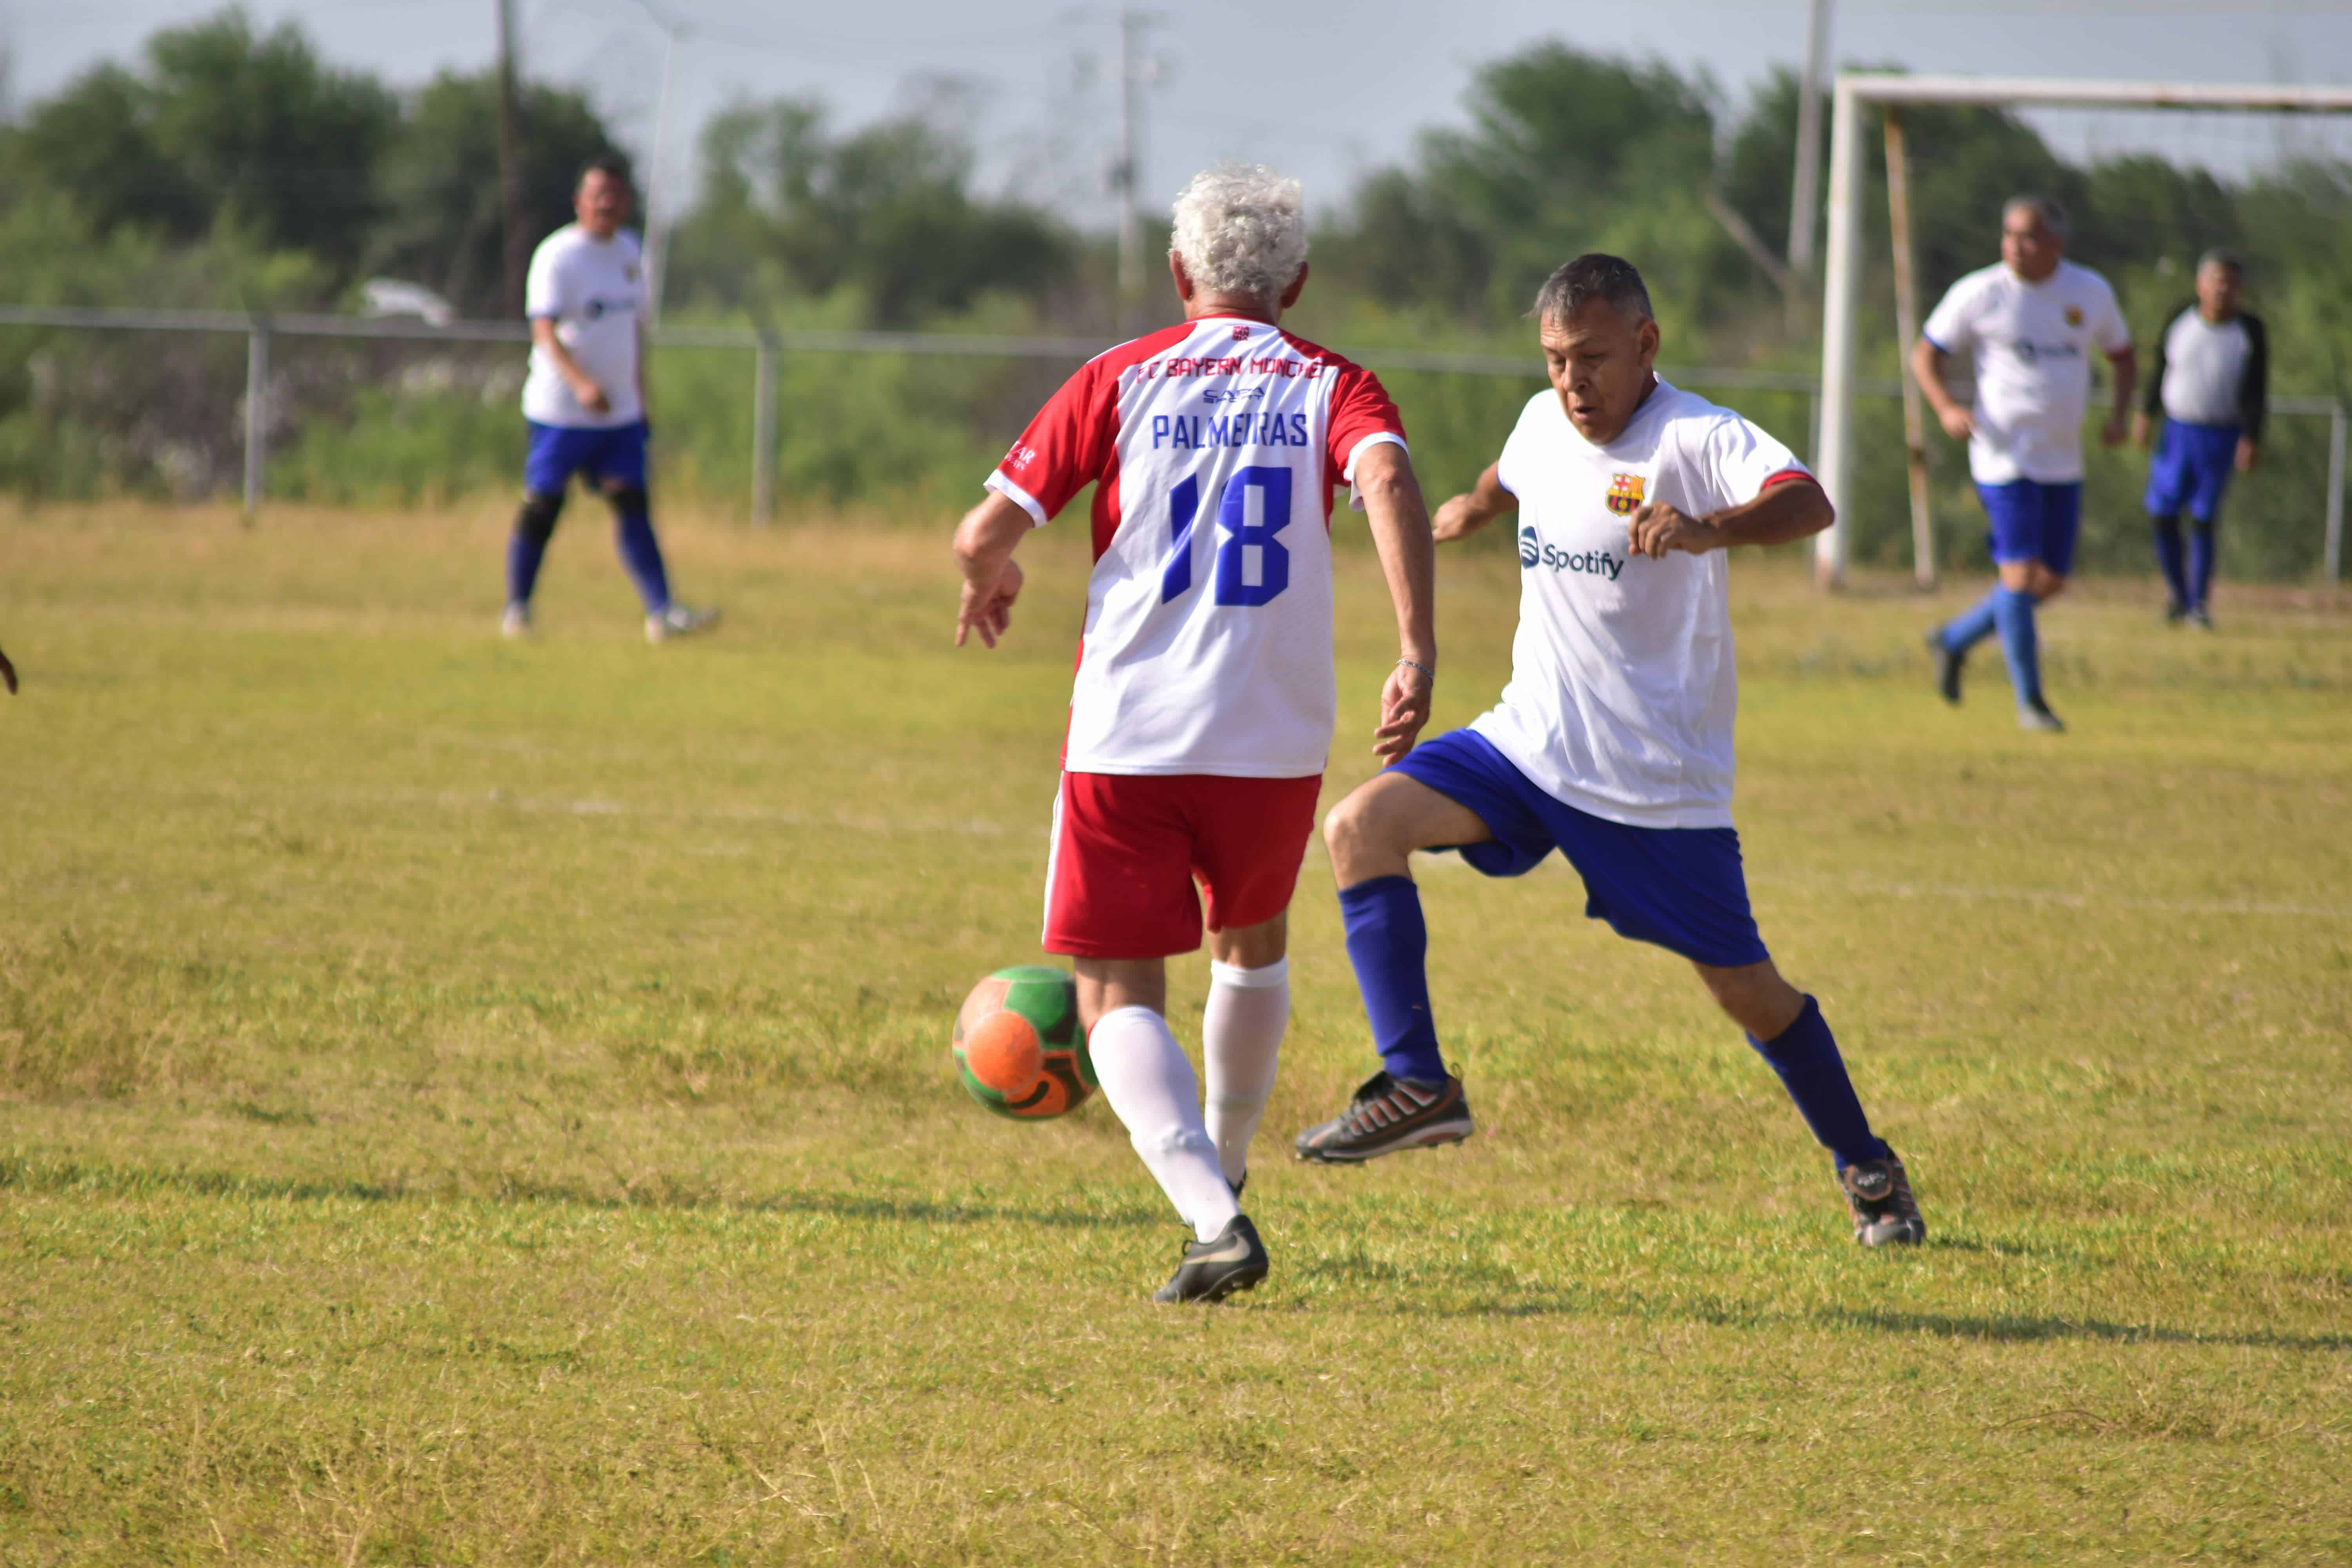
(1214,448)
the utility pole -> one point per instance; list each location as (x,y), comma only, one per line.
(1134,72)
(1805,204)
(656,181)
(516,256)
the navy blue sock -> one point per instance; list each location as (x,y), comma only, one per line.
(1806,1057)
(2169,557)
(525,551)
(641,553)
(2201,564)
(1971,626)
(2014,612)
(1388,942)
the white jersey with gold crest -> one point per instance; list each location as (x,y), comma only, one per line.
(1623,690)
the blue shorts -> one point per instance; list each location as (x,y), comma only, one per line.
(2192,468)
(2034,522)
(1681,887)
(611,454)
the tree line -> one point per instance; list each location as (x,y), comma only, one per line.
(226,165)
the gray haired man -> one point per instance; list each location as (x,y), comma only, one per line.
(1205,699)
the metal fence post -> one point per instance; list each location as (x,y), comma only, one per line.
(763,430)
(257,412)
(2337,422)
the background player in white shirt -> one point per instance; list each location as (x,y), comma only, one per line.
(1202,715)
(2211,384)
(2029,326)
(584,399)
(1612,741)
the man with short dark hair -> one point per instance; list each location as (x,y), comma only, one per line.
(585,400)
(2029,323)
(2212,385)
(1612,741)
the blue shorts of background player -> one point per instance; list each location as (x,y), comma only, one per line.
(2190,470)
(2033,522)
(608,457)
(1683,889)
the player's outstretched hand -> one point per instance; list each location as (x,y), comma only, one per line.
(1658,528)
(2112,433)
(1458,519)
(1957,423)
(7,674)
(989,612)
(1404,710)
(2249,454)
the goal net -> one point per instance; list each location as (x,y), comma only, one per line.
(2153,175)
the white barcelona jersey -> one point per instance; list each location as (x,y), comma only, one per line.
(1214,448)
(1623,690)
(592,290)
(2031,344)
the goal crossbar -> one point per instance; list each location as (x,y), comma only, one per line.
(1858,91)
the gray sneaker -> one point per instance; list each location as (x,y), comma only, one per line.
(678,621)
(1878,1196)
(515,624)
(2037,716)
(1388,1114)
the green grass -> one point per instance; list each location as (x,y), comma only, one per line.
(463,1102)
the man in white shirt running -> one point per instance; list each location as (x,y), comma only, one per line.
(585,400)
(1202,714)
(1612,741)
(2030,324)
(2211,386)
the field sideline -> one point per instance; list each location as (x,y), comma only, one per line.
(463,1102)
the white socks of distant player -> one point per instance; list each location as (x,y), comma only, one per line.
(1149,1082)
(1241,1041)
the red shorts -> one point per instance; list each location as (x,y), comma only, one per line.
(1128,847)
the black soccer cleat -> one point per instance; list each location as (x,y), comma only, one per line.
(1388,1114)
(1878,1195)
(2036,715)
(1213,1271)
(1948,667)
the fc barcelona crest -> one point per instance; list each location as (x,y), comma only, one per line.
(1624,493)
(2073,315)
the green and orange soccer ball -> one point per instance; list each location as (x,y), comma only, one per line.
(1018,1047)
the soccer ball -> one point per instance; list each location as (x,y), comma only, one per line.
(1017,1046)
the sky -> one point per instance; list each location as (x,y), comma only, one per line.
(1323,90)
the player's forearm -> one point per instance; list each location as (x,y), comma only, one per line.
(2127,371)
(1791,510)
(1927,370)
(544,339)
(987,536)
(1399,518)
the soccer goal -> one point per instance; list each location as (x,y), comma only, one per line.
(2285,143)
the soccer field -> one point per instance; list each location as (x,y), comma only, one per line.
(463,1101)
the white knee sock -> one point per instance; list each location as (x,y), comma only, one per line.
(1149,1083)
(1241,1040)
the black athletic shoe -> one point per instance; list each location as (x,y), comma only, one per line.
(1213,1271)
(1948,667)
(2037,716)
(1878,1195)
(1388,1114)
(2202,619)
(2175,613)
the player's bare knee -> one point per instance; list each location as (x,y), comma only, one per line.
(1358,835)
(1754,996)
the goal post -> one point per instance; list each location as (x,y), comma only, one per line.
(1855,93)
